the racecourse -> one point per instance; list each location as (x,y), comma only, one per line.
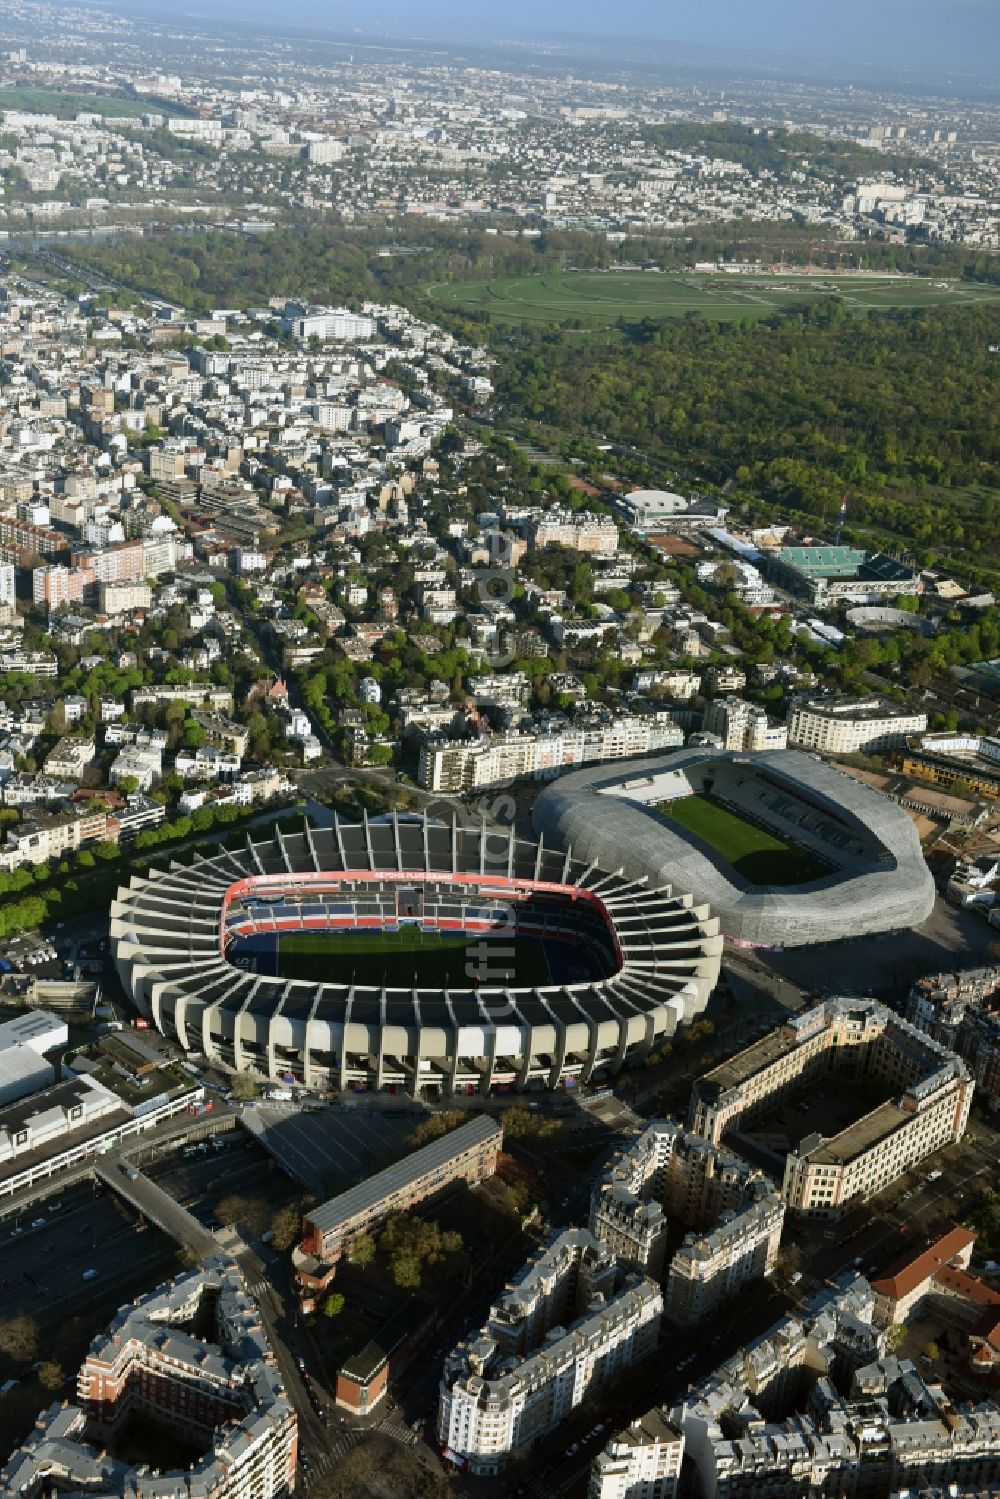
(597,299)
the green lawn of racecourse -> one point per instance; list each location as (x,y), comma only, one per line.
(429,960)
(600,298)
(756,855)
(66,105)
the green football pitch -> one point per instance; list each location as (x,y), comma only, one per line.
(758,856)
(597,299)
(412,957)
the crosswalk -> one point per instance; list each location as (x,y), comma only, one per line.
(335,1444)
(394,1426)
(338,1445)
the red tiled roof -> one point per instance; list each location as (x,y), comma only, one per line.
(928,1262)
(964,1284)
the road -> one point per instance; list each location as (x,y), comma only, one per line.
(82,1229)
(155,1205)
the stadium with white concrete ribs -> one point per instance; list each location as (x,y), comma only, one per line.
(407,953)
(783,849)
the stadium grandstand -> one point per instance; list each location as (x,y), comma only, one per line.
(410,954)
(783,848)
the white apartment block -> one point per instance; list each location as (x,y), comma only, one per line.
(69,758)
(816,1407)
(141,763)
(846,725)
(569,1325)
(456,765)
(641,1462)
(931,1088)
(122,598)
(710,1267)
(734,1220)
(46,837)
(335,324)
(743,726)
(583,531)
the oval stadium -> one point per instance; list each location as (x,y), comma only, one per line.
(784,849)
(414,955)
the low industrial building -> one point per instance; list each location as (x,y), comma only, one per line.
(73,1122)
(23,1044)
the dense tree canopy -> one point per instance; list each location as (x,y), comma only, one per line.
(801,410)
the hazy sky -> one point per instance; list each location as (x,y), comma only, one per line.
(927,34)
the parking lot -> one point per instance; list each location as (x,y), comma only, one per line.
(199,1175)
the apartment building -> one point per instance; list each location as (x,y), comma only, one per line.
(55,585)
(816,1406)
(641,1462)
(195,694)
(710,1267)
(193,1355)
(962,1012)
(931,1087)
(69,758)
(336,324)
(34,663)
(468,1154)
(122,598)
(48,836)
(734,1220)
(456,765)
(571,1323)
(581,531)
(843,725)
(743,726)
(26,537)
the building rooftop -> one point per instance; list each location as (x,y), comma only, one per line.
(753,1059)
(368,1194)
(859,1136)
(914,1271)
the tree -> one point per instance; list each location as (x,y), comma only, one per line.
(405,1269)
(286,1226)
(931,1351)
(434,1126)
(363,1250)
(333,1305)
(243,1086)
(19,1337)
(248,1213)
(51,1375)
